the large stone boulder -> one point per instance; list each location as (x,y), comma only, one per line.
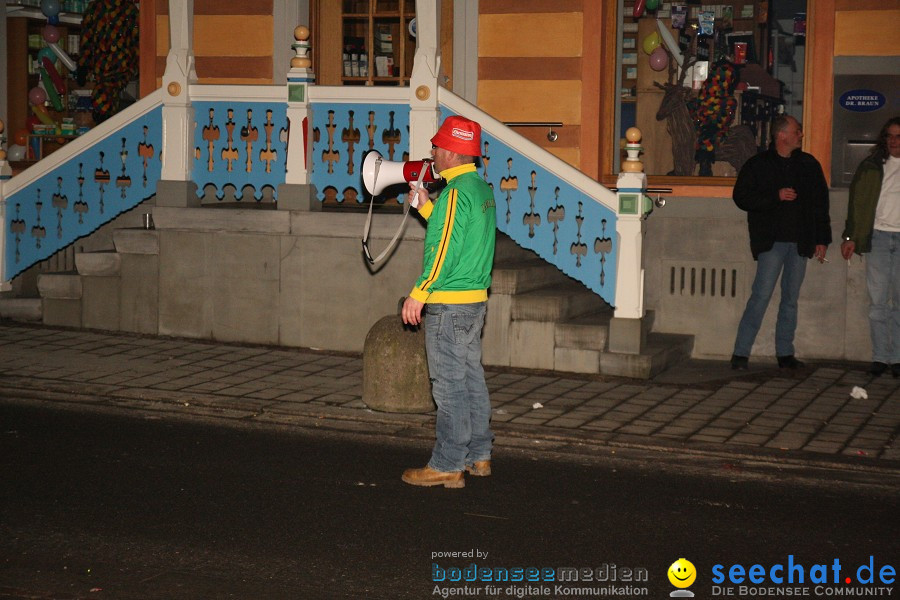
(395,370)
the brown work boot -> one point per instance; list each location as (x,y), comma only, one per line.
(427,476)
(480,468)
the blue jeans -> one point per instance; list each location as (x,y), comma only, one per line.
(883,281)
(781,260)
(453,345)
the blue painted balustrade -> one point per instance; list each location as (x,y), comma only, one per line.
(87,183)
(240,149)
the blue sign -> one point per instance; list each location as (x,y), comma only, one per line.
(862,100)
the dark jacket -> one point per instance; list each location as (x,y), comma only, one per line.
(864,193)
(756,192)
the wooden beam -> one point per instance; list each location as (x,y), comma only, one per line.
(147,75)
(607,143)
(592,99)
(818,85)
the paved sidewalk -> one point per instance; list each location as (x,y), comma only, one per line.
(702,406)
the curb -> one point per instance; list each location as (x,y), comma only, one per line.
(736,461)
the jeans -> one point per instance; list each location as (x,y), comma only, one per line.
(453,345)
(883,281)
(782,260)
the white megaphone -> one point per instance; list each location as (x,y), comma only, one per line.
(377,173)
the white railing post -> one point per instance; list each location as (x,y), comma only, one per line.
(175,186)
(297,192)
(5,175)
(424,114)
(626,329)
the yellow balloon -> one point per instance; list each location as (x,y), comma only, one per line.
(651,42)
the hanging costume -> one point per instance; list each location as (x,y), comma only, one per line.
(713,112)
(109,52)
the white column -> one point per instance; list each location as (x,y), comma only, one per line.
(424,115)
(299,112)
(5,175)
(177,113)
(629,272)
(627,332)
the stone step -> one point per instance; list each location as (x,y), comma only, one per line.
(555,304)
(106,263)
(505,249)
(135,240)
(21,309)
(513,277)
(586,332)
(60,286)
(662,351)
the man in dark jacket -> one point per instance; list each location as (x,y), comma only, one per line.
(785,195)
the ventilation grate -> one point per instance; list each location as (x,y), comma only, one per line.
(703,281)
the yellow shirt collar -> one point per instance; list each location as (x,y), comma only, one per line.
(452,172)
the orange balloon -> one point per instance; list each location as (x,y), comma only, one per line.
(21,137)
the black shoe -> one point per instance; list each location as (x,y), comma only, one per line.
(739,363)
(895,370)
(878,368)
(789,362)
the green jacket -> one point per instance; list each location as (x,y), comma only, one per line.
(864,192)
(459,240)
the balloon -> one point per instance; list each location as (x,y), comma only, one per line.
(61,54)
(37,95)
(48,52)
(651,42)
(638,8)
(50,8)
(659,59)
(50,33)
(58,82)
(54,20)
(52,94)
(41,113)
(16,152)
(21,137)
(669,41)
(652,4)
(30,122)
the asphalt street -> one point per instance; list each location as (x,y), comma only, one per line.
(97,504)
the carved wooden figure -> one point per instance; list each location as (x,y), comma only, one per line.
(249,134)
(330,155)
(350,136)
(211,134)
(268,154)
(229,152)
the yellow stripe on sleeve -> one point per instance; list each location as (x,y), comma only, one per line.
(441,254)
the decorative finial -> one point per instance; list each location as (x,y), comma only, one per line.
(301,47)
(633,148)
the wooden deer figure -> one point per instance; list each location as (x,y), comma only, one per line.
(679,124)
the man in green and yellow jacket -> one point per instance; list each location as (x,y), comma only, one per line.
(452,292)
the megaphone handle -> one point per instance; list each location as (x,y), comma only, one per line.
(419,185)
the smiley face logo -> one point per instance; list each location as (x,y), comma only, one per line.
(682,573)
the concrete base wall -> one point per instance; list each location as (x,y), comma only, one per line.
(299,278)
(699,270)
(279,277)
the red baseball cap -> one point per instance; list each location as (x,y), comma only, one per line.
(460,135)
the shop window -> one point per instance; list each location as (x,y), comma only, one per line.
(703,80)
